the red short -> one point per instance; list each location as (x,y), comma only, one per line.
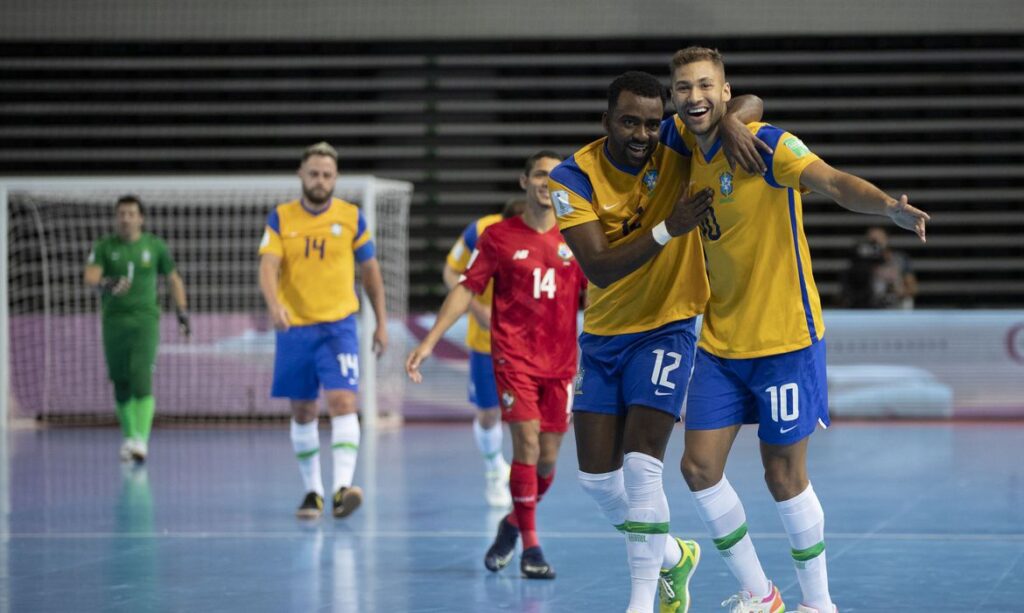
(524,397)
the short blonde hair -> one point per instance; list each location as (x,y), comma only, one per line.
(322,148)
(690,55)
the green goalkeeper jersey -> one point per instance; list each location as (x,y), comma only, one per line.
(141,261)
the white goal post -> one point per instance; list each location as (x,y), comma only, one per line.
(51,363)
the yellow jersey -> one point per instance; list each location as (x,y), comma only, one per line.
(763,297)
(478,338)
(318,254)
(628,202)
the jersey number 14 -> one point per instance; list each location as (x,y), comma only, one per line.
(544,283)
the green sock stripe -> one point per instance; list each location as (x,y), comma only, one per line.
(620,527)
(803,555)
(639,527)
(491,456)
(351,446)
(727,541)
(305,455)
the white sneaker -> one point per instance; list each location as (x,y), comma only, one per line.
(496,491)
(745,602)
(139,450)
(126,450)
(806,609)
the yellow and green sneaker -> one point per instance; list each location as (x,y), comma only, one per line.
(674,583)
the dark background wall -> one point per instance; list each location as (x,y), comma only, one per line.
(922,98)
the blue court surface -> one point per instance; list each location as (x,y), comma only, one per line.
(919,517)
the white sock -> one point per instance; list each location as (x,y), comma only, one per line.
(804,521)
(609,492)
(488,441)
(726,521)
(306,443)
(646,526)
(344,448)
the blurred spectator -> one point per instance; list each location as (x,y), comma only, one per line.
(879,277)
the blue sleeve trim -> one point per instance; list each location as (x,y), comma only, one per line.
(365,252)
(569,174)
(471,234)
(672,139)
(770,135)
(274,221)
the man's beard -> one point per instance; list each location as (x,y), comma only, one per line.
(311,199)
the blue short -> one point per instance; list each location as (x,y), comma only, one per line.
(320,355)
(787,394)
(649,369)
(483,392)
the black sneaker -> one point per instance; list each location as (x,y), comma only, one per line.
(534,566)
(312,506)
(346,500)
(503,548)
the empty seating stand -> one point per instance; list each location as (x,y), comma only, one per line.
(941,118)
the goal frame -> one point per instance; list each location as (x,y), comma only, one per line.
(368,185)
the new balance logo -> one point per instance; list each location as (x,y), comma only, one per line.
(521,254)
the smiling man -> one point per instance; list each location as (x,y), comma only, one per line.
(761,357)
(308,256)
(621,206)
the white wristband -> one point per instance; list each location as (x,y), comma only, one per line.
(660,234)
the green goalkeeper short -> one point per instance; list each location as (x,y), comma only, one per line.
(129,344)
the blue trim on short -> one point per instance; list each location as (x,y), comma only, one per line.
(629,170)
(482,389)
(569,174)
(726,392)
(307,358)
(671,138)
(770,135)
(274,220)
(808,315)
(365,252)
(650,369)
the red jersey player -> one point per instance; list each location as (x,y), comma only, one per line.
(537,288)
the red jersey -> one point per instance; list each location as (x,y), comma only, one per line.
(537,285)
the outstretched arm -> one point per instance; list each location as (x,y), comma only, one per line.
(480,312)
(454,306)
(858,195)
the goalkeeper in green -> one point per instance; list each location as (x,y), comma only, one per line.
(124,267)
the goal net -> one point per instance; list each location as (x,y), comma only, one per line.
(53,364)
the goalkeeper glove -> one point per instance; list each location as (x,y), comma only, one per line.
(113,285)
(184,325)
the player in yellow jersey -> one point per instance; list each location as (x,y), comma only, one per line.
(308,256)
(622,209)
(761,356)
(482,390)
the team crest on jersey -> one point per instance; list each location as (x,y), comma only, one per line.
(115,256)
(650,179)
(725,183)
(507,399)
(561,199)
(336,229)
(564,252)
(145,257)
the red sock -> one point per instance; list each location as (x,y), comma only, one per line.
(523,484)
(544,483)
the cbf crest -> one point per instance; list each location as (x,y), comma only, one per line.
(650,179)
(146,258)
(725,183)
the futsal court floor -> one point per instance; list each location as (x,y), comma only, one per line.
(919,517)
